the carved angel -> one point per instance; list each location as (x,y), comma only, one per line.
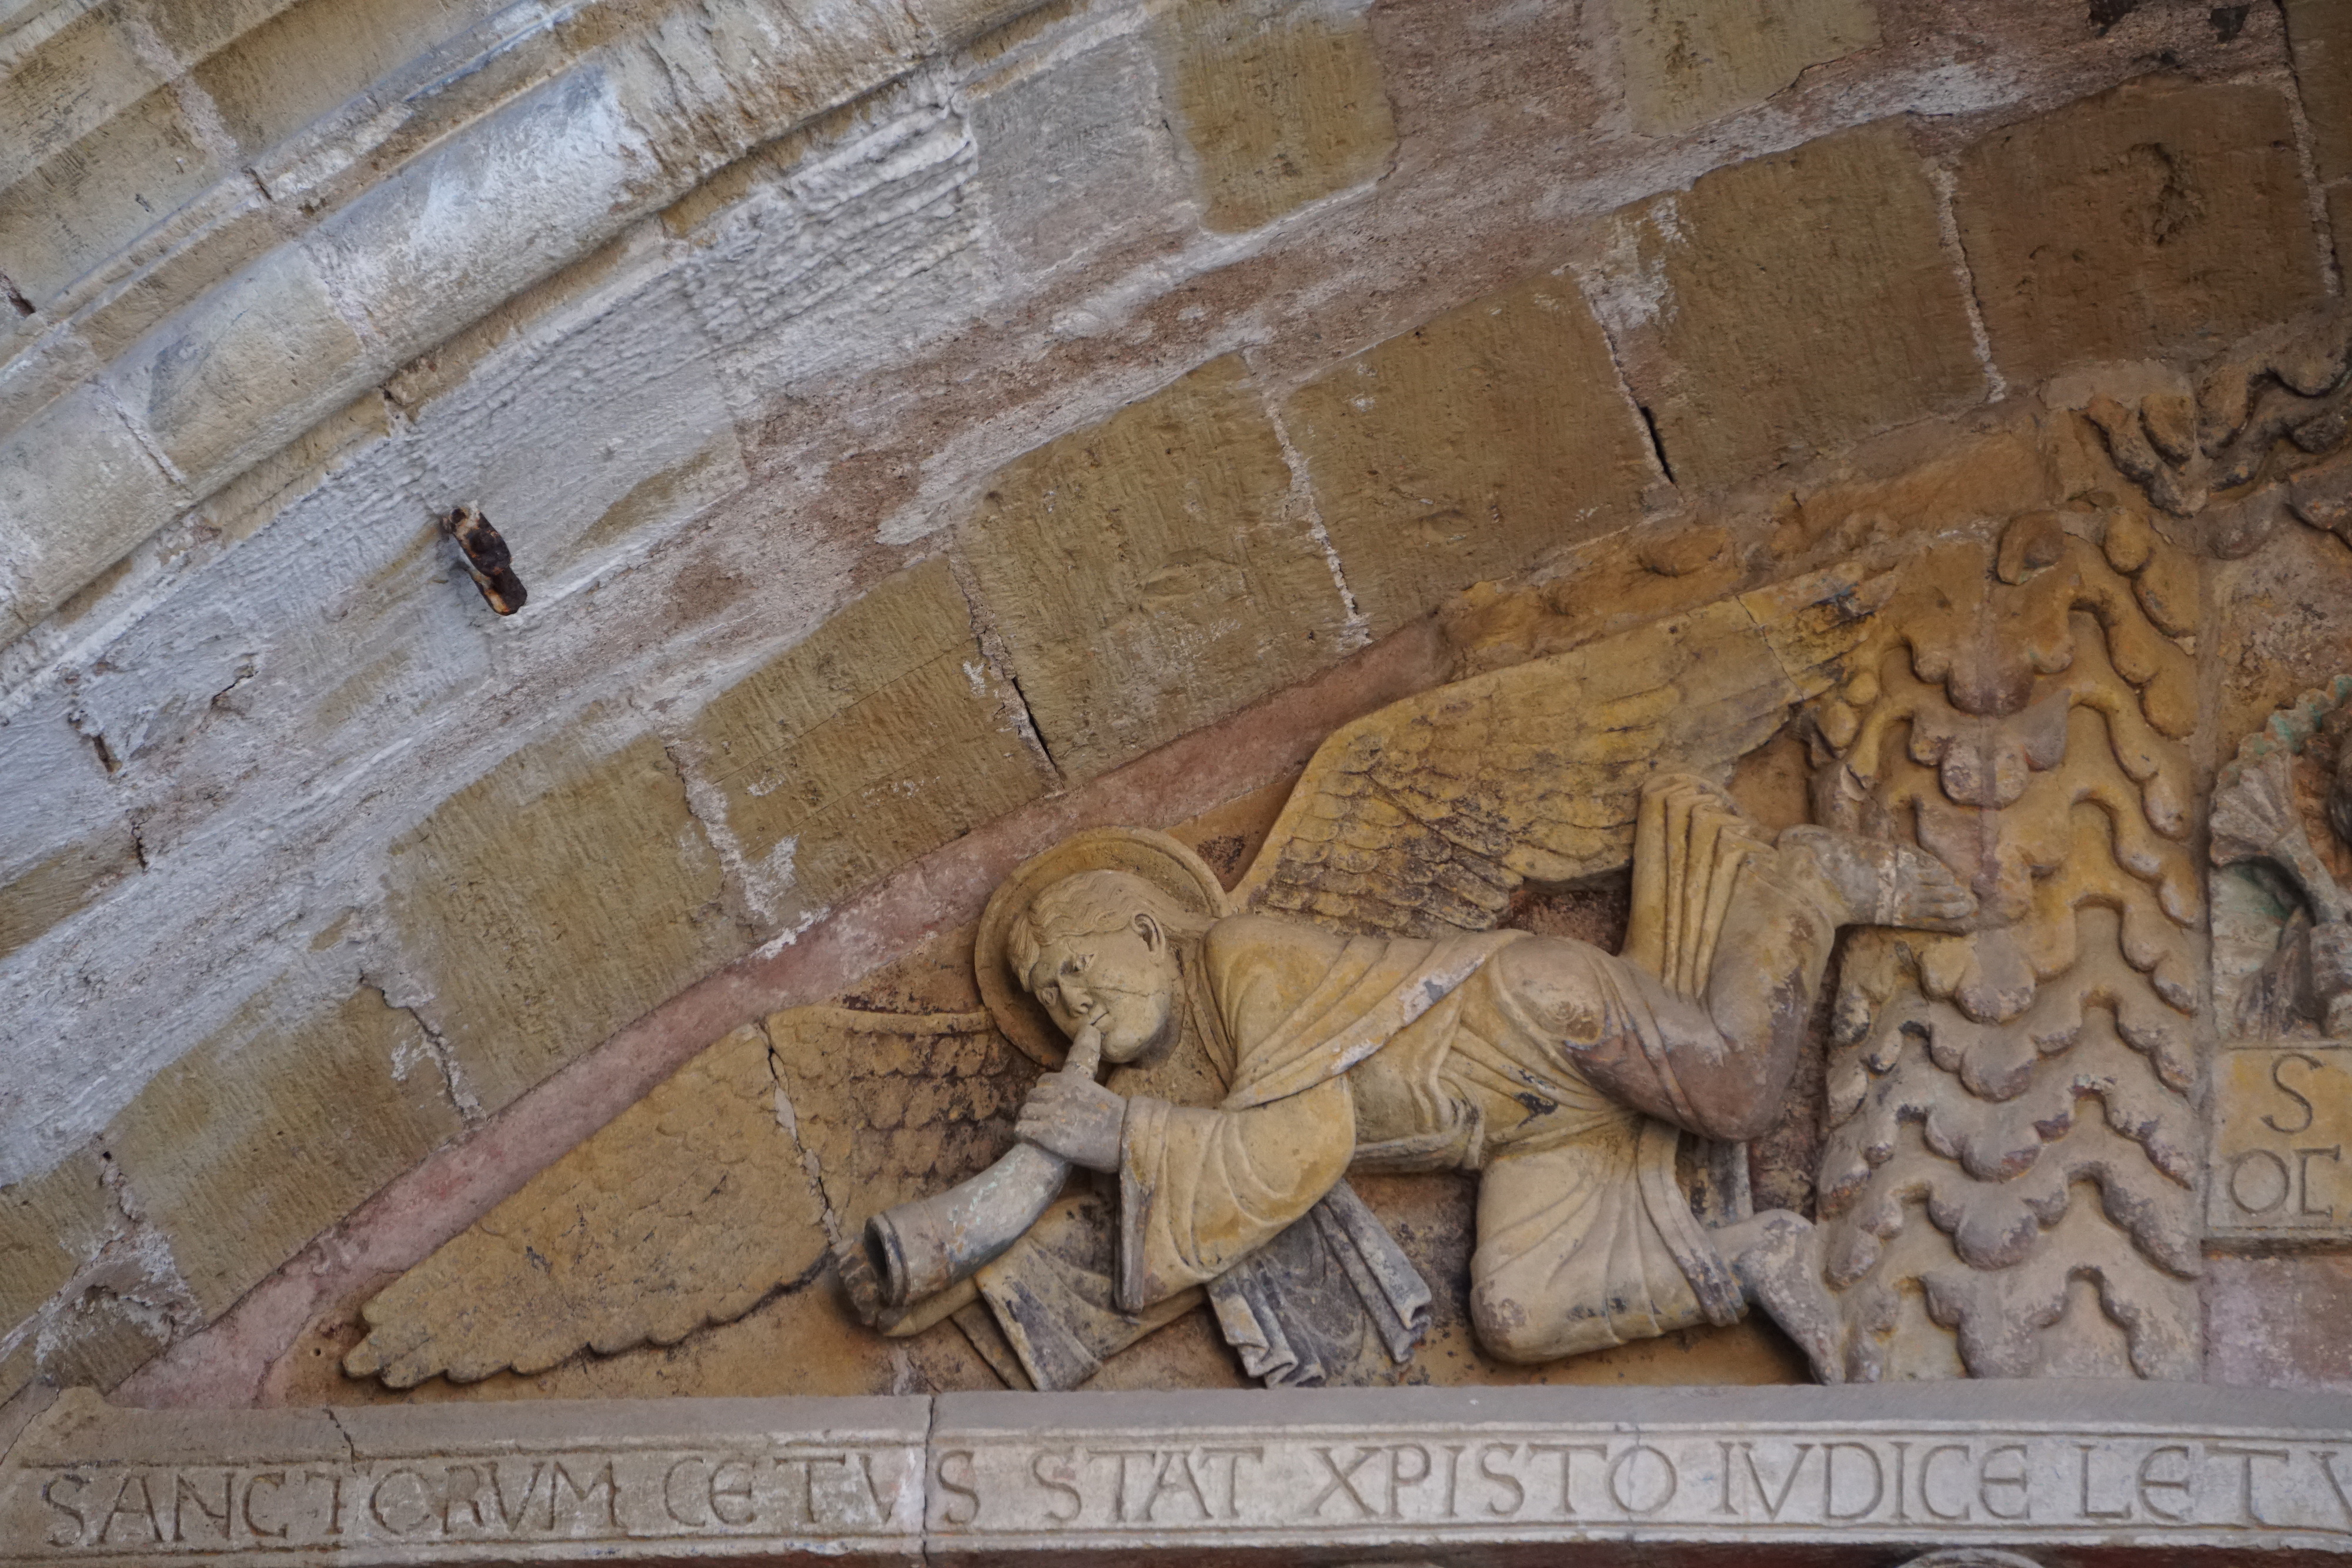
(1352,1005)
(2282,830)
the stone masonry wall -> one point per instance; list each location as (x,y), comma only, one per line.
(905,417)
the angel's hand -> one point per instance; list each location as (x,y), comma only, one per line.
(1069,1114)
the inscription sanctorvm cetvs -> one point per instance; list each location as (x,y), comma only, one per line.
(2196,1468)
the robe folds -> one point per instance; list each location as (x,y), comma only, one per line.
(1377,1053)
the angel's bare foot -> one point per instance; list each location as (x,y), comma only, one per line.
(1881,883)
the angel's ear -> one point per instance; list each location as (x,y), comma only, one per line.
(1146,928)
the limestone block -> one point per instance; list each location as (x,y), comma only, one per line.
(49,1225)
(1068,165)
(1281,101)
(34,376)
(234,238)
(522,191)
(275,1126)
(553,900)
(63,838)
(607,382)
(94,197)
(2319,34)
(237,374)
(40,895)
(70,83)
(878,737)
(194,32)
(308,59)
(1690,61)
(709,83)
(1787,305)
(77,490)
(2156,217)
(101,1338)
(1150,575)
(871,228)
(1466,448)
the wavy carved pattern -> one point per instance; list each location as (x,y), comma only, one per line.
(2011,1171)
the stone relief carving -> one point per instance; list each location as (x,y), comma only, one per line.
(695,1203)
(2009,1184)
(2282,842)
(2282,849)
(2260,433)
(1350,1004)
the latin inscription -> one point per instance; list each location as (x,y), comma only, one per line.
(2282,1134)
(584,1496)
(2054,1478)
(1681,1482)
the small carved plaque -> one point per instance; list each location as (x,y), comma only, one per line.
(2281,1130)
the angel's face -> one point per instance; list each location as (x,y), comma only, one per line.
(1126,977)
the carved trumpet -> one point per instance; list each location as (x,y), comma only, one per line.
(921,1247)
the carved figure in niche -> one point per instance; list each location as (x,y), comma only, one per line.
(2282,905)
(1350,1005)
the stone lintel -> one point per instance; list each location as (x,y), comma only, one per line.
(2191,1474)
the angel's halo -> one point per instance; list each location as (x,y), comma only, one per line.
(1159,860)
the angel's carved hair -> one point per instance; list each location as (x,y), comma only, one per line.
(1090,903)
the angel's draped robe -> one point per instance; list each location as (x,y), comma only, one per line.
(1541,1062)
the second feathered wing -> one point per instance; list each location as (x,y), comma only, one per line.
(1423,818)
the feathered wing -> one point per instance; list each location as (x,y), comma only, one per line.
(688,1208)
(1423,818)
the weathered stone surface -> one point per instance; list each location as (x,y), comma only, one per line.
(2281,1118)
(2320,35)
(275,1126)
(73,80)
(1281,101)
(2157,183)
(1065,161)
(1787,304)
(1154,573)
(78,461)
(273,331)
(553,900)
(89,200)
(308,59)
(880,737)
(49,1226)
(1690,61)
(1469,446)
(37,897)
(39,374)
